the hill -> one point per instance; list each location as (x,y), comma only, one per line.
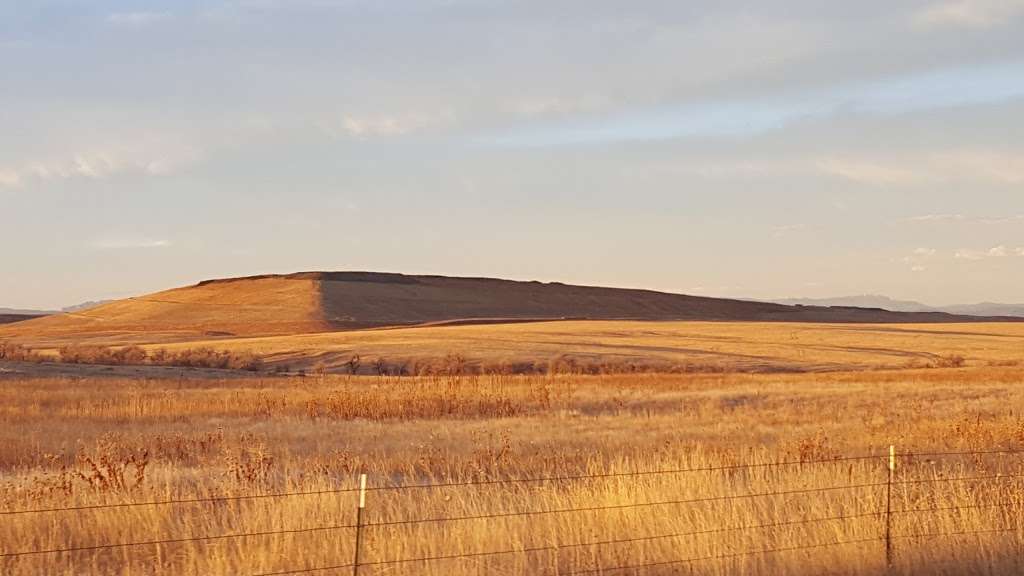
(84,305)
(328,301)
(265,305)
(6,318)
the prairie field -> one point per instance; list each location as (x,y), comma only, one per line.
(715,473)
(600,346)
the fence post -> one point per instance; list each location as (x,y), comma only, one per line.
(888,507)
(359,524)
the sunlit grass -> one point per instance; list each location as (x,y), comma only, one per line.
(78,442)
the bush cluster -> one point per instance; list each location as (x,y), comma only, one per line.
(202,357)
(458,365)
(91,354)
(19,353)
(205,357)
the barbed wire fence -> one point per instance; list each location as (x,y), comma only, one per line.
(886,538)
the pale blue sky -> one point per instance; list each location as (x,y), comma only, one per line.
(744,149)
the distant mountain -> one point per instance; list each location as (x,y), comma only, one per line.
(12,315)
(886,303)
(987,309)
(30,312)
(24,312)
(85,306)
(862,301)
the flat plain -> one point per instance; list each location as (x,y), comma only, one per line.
(610,346)
(818,443)
(667,346)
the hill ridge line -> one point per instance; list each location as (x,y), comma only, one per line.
(312,302)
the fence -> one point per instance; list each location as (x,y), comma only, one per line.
(892,482)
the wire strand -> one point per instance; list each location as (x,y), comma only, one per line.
(175,541)
(564,478)
(968,453)
(686,501)
(938,480)
(958,533)
(541,479)
(582,544)
(631,473)
(951,508)
(724,556)
(177,501)
(624,506)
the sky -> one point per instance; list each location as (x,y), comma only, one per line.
(727,148)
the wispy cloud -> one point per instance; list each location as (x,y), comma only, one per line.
(999,167)
(136,18)
(385,125)
(555,106)
(991,166)
(936,218)
(9,178)
(866,172)
(917,258)
(787,229)
(932,90)
(101,163)
(960,218)
(292,4)
(994,252)
(122,243)
(969,13)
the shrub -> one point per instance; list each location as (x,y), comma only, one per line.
(19,353)
(951,361)
(353,364)
(131,355)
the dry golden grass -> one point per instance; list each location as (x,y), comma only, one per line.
(260,306)
(699,346)
(616,346)
(70,442)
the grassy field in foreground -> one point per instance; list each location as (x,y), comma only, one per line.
(71,442)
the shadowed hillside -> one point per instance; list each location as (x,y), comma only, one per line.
(12,318)
(325,301)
